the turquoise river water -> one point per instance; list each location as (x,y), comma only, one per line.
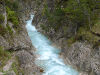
(48,58)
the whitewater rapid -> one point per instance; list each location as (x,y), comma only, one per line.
(48,55)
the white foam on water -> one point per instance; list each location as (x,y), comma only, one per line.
(49,56)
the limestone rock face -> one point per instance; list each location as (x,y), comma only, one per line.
(26,61)
(84,57)
(19,41)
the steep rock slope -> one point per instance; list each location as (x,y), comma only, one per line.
(80,46)
(16,50)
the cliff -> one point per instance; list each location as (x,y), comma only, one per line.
(74,34)
(16,50)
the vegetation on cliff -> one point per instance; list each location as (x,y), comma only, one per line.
(81,15)
(12,16)
(1,18)
(4,56)
(11,8)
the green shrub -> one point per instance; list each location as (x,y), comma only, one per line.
(12,16)
(9,29)
(71,41)
(2,52)
(3,30)
(6,30)
(55,18)
(82,13)
(13,5)
(79,12)
(84,34)
(4,56)
(16,67)
(44,27)
(1,18)
(96,27)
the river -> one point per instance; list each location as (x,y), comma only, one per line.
(48,58)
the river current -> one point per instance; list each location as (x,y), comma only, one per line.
(48,58)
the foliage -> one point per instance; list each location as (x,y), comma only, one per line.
(12,16)
(1,18)
(71,41)
(84,34)
(2,30)
(13,5)
(16,67)
(38,2)
(44,27)
(3,52)
(6,30)
(9,29)
(4,56)
(80,14)
(96,27)
(54,18)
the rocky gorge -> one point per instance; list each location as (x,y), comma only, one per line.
(16,50)
(81,55)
